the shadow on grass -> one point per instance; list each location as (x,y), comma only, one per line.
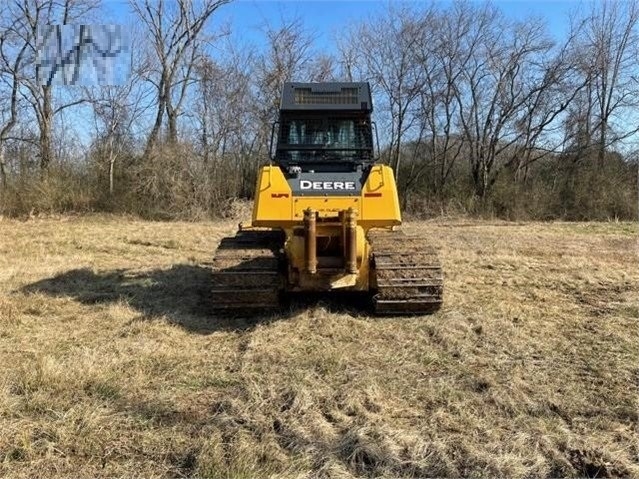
(180,293)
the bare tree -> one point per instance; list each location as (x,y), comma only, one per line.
(500,93)
(348,61)
(227,135)
(442,57)
(322,68)
(12,58)
(176,33)
(288,56)
(28,16)
(609,48)
(544,111)
(116,109)
(387,49)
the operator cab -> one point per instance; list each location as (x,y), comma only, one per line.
(325,128)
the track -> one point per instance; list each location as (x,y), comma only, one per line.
(246,273)
(408,274)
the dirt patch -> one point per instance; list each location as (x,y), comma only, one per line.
(606,299)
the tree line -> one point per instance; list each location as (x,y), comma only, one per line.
(478,113)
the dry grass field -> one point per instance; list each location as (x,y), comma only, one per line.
(111,365)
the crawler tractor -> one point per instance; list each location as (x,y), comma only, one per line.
(325,215)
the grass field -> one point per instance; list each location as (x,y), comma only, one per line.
(111,365)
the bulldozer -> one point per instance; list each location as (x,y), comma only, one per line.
(326,215)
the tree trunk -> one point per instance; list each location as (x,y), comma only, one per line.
(3,170)
(112,158)
(172,116)
(111,170)
(153,136)
(46,129)
(205,131)
(397,150)
(601,151)
(480,178)
(484,180)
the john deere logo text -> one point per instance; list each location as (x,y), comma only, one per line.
(327,185)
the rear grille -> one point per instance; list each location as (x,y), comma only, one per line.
(346,96)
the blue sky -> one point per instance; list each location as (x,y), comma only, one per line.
(325,18)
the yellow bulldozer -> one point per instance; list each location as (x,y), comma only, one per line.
(326,215)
